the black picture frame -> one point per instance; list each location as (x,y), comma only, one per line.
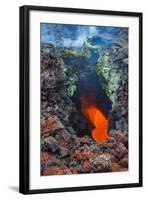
(25,105)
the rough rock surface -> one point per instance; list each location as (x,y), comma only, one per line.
(65,148)
(118,57)
(68,154)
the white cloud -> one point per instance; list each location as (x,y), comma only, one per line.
(93,31)
(67,42)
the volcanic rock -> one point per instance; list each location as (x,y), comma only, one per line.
(86,166)
(115,167)
(120,151)
(63,151)
(101,163)
(55,170)
(51,124)
(67,146)
(45,156)
(50,144)
(124,162)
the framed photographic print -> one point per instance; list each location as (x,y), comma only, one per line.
(80,99)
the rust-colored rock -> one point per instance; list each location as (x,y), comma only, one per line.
(77,155)
(86,166)
(45,156)
(73,170)
(66,170)
(123,169)
(63,138)
(44,65)
(124,162)
(114,159)
(115,167)
(56,170)
(53,170)
(50,124)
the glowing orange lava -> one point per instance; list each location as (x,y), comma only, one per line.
(96,119)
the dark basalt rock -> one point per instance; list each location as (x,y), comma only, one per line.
(49,144)
(55,101)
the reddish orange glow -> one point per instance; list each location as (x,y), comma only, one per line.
(96,119)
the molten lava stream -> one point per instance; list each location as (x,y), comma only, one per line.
(96,119)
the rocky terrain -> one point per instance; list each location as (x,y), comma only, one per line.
(67,146)
(117,52)
(65,153)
